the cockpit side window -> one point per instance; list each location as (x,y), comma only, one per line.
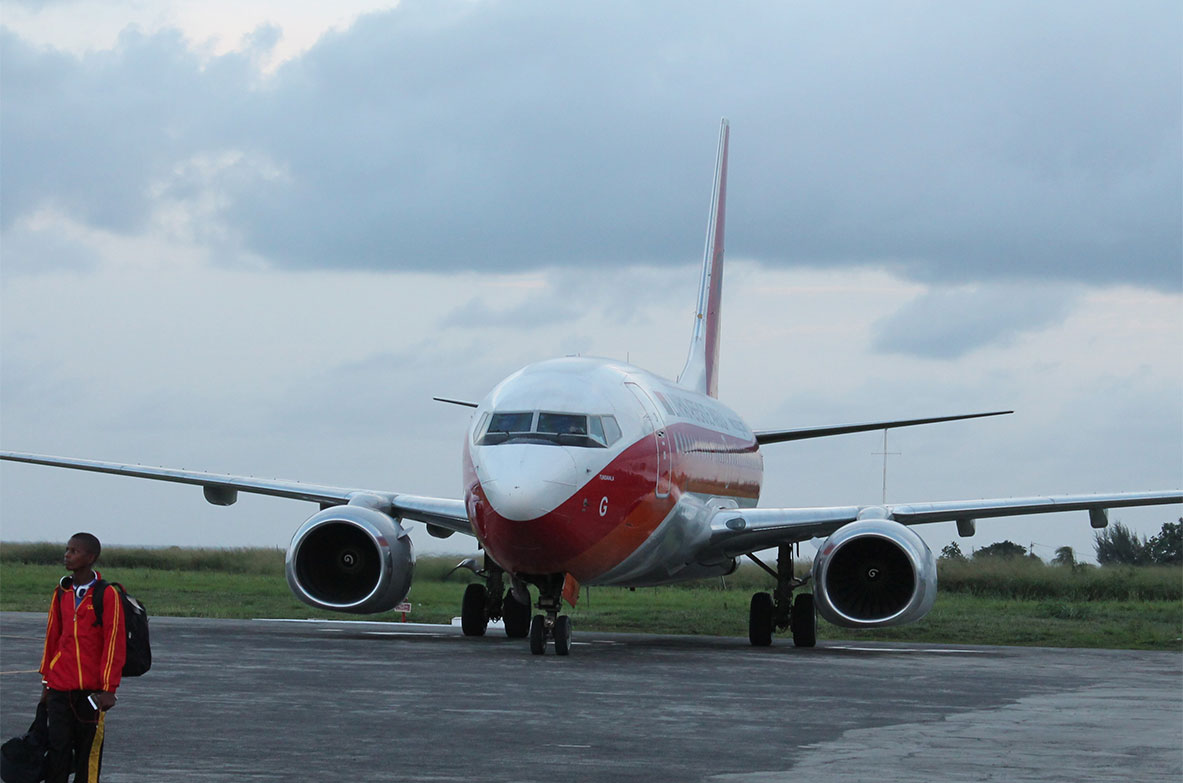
(611,429)
(479,429)
(595,428)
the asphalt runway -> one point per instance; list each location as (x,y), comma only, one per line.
(231,700)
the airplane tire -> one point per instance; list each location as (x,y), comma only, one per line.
(563,635)
(760,620)
(803,621)
(516,616)
(474,613)
(538,635)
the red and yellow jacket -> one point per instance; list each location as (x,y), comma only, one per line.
(79,655)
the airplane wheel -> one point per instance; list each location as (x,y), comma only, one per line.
(563,635)
(804,621)
(474,613)
(760,620)
(538,635)
(516,616)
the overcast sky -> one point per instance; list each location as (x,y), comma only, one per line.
(258,241)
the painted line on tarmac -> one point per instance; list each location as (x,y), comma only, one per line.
(906,650)
(321,621)
(482,711)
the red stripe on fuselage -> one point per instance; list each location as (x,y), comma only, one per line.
(613,513)
(619,494)
(714,464)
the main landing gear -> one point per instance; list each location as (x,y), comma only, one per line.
(778,611)
(492,601)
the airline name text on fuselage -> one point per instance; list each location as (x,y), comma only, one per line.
(709,415)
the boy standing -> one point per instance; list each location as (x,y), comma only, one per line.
(82,665)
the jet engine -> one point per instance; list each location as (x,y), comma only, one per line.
(350,559)
(874,572)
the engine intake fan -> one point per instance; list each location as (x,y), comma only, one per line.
(350,559)
(874,572)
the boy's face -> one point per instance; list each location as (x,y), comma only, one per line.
(77,556)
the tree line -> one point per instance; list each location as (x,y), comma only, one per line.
(1115,545)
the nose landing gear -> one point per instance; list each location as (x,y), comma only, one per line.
(552,626)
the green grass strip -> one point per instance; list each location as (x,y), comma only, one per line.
(1016,602)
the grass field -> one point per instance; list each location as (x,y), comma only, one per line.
(1020,602)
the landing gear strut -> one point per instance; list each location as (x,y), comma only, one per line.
(550,626)
(491,601)
(778,611)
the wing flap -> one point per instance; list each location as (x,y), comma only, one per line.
(947,511)
(219,488)
(274,487)
(735,532)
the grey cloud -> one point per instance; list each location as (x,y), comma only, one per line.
(947,323)
(90,135)
(958,143)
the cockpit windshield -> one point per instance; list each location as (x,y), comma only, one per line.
(562,429)
(511,422)
(562,424)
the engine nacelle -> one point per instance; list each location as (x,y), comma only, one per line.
(874,572)
(350,559)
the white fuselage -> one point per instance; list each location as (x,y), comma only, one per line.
(603,471)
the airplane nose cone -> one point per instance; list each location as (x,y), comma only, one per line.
(525,481)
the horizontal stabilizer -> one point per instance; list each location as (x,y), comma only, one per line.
(779,436)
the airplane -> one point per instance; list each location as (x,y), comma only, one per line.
(584,471)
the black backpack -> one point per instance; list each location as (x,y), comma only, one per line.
(23,758)
(139,649)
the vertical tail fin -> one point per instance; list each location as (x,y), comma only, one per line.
(701,371)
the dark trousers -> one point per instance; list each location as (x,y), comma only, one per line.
(75,737)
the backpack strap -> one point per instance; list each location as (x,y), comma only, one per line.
(100,587)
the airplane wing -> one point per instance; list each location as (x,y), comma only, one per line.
(802,433)
(736,532)
(222,490)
